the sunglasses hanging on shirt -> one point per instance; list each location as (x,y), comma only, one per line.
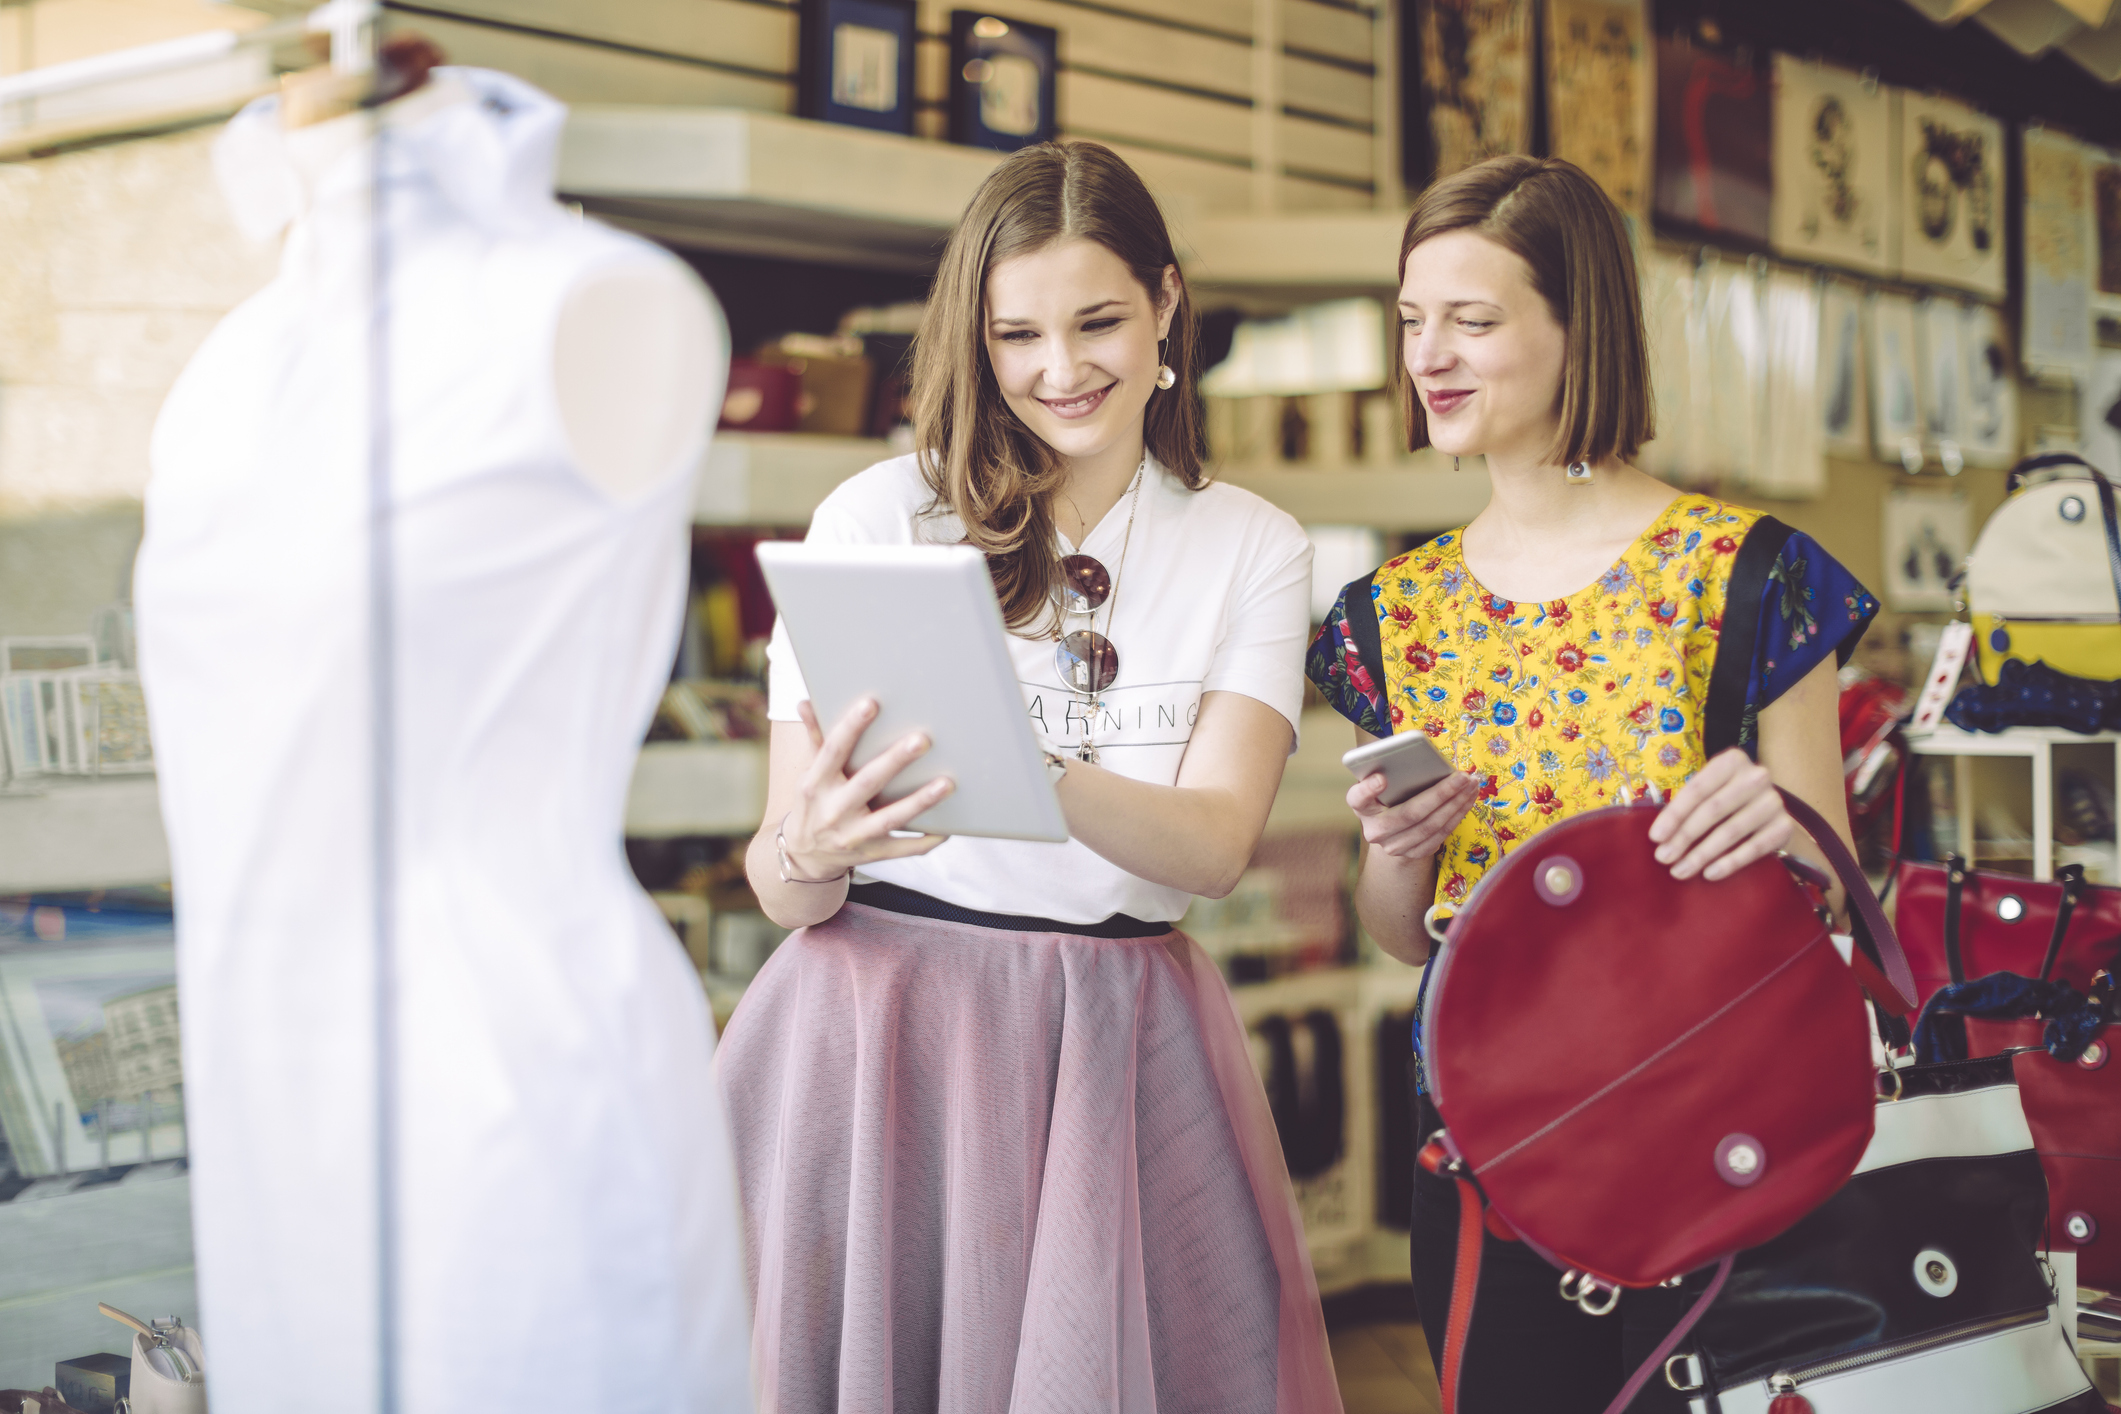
(1085,659)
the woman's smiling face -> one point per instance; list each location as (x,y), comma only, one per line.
(1482,348)
(1072,337)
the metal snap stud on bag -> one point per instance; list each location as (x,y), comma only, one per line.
(2095,1056)
(1559,880)
(1936,1273)
(1740,1160)
(2072,509)
(2082,1227)
(2010,908)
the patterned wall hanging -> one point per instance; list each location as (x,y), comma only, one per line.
(1833,158)
(1844,404)
(1989,409)
(1599,102)
(2059,246)
(1896,399)
(1714,120)
(1476,79)
(1951,195)
(1793,459)
(1940,375)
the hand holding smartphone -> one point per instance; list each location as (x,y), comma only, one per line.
(1410,763)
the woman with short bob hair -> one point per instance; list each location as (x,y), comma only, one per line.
(998,1135)
(1591,636)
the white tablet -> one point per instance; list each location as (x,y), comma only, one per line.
(917,628)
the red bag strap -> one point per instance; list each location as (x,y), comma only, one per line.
(1465,1273)
(1881,966)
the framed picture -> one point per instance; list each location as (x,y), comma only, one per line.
(1599,104)
(1927,535)
(1714,135)
(1476,80)
(2059,245)
(1951,195)
(856,65)
(2106,228)
(1833,162)
(1896,398)
(1001,81)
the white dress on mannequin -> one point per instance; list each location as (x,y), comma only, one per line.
(568,1234)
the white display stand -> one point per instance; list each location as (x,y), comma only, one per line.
(2035,745)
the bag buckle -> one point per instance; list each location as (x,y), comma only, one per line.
(1691,1365)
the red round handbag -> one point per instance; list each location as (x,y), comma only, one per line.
(1641,1075)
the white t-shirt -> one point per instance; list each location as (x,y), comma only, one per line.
(1213,596)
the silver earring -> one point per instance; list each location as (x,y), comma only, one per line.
(1164,376)
(1579,473)
(1454,463)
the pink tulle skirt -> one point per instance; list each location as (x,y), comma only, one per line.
(992,1171)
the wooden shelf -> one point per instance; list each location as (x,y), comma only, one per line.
(60,835)
(696,788)
(1353,250)
(776,478)
(765,184)
(1421,493)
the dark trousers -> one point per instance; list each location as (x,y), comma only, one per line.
(1528,1351)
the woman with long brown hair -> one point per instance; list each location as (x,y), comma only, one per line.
(999,1138)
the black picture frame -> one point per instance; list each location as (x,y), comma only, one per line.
(856,63)
(1001,81)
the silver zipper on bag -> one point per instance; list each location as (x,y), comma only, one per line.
(1787,1381)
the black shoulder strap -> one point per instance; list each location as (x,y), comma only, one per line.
(1723,718)
(1361,609)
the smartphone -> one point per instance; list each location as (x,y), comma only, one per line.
(1410,761)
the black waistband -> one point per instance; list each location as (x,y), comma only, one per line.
(894,899)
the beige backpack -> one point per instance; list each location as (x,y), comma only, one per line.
(2044,578)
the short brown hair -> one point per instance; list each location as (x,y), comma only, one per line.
(1554,217)
(990,470)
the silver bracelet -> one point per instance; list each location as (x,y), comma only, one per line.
(780,847)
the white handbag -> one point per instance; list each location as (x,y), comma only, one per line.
(169,1366)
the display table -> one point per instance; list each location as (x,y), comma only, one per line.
(2033,744)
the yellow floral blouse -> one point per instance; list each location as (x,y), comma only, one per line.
(1565,706)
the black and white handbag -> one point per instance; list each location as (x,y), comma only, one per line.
(1918,1288)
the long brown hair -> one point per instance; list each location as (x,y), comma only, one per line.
(1554,217)
(985,466)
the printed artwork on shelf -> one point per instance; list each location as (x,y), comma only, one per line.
(1731,366)
(1598,95)
(1951,195)
(1844,412)
(856,62)
(1793,459)
(2106,225)
(1989,407)
(1476,79)
(1940,365)
(1832,166)
(1927,535)
(1002,80)
(1896,406)
(1714,135)
(2058,252)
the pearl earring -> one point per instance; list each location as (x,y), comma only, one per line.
(1579,473)
(1164,376)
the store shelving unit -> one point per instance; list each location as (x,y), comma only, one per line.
(62,834)
(2033,745)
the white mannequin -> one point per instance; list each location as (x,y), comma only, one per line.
(638,356)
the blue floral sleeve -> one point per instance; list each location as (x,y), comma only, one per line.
(1335,666)
(1811,606)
